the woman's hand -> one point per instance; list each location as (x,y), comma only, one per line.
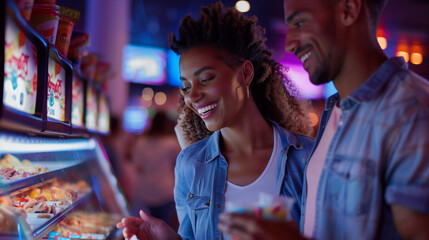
(147,228)
(246,227)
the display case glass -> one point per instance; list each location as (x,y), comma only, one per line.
(56,187)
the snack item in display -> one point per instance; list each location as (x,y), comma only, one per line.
(89,65)
(13,168)
(25,7)
(89,225)
(79,43)
(10,161)
(68,18)
(45,19)
(7,218)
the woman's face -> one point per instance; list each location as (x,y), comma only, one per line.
(211,87)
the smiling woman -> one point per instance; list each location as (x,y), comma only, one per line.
(246,128)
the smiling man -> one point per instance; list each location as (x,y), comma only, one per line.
(368,176)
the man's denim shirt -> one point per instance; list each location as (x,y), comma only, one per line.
(378,156)
(201,173)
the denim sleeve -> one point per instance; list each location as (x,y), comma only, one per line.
(295,165)
(407,173)
(180,194)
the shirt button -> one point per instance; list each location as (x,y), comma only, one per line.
(218,205)
(191,195)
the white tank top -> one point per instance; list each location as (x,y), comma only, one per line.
(266,182)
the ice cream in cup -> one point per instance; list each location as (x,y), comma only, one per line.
(68,18)
(25,7)
(270,207)
(44,18)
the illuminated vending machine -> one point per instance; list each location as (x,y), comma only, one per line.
(55,178)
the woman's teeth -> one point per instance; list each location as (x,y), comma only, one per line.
(206,109)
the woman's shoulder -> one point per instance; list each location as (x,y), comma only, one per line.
(194,152)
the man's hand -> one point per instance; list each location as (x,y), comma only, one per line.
(409,223)
(246,227)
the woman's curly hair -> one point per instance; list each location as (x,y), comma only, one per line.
(241,36)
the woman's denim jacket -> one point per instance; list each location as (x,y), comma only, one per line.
(201,172)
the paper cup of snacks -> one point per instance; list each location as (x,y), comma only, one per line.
(273,208)
(268,207)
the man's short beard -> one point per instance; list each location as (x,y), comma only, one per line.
(320,76)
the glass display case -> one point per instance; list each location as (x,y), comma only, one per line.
(57,187)
(55,177)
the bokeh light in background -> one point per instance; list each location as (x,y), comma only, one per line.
(160,98)
(147,94)
(314,119)
(242,6)
(416,58)
(173,71)
(382,42)
(416,54)
(135,119)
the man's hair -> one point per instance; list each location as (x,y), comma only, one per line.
(240,36)
(375,8)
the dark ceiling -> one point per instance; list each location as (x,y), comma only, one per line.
(152,20)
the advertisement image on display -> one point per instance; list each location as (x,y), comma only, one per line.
(20,70)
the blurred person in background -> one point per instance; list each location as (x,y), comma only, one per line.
(247,128)
(153,157)
(368,177)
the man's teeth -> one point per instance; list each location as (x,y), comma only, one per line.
(305,57)
(207,108)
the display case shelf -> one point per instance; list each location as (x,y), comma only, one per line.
(35,180)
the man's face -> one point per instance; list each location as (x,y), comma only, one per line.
(312,37)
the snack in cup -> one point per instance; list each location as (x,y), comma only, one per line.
(68,18)
(44,18)
(89,65)
(275,208)
(25,7)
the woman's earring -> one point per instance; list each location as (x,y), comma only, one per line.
(248,92)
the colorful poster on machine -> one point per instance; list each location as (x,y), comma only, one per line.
(56,91)
(20,70)
(103,115)
(91,108)
(77,101)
